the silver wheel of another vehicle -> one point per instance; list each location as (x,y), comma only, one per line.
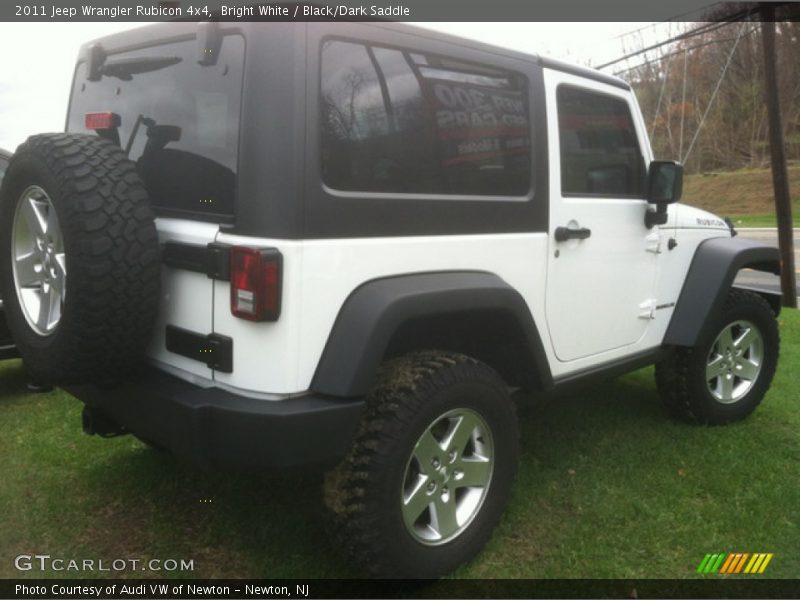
(447,476)
(734,362)
(39,261)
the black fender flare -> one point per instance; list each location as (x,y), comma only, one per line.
(711,273)
(376,309)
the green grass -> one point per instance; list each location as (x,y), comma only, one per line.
(746,195)
(608,487)
(757,220)
(765,220)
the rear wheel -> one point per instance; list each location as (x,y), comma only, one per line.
(431,468)
(726,375)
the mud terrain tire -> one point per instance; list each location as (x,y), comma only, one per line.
(77,230)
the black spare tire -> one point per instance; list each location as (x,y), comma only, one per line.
(79,258)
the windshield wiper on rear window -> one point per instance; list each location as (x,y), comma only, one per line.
(126,68)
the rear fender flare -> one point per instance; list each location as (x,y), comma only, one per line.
(375,311)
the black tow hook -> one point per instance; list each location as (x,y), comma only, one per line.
(96,422)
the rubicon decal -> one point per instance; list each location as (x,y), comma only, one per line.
(735,562)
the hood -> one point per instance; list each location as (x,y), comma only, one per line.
(689,217)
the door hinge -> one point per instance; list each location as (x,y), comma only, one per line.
(213,349)
(653,242)
(212,259)
(647,309)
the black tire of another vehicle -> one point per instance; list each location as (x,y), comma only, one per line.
(110,275)
(685,384)
(370,494)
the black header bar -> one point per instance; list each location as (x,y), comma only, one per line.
(394,10)
(224,589)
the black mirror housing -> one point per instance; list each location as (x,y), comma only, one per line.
(664,182)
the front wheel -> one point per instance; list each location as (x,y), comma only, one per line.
(431,468)
(726,375)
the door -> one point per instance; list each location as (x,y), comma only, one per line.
(602,259)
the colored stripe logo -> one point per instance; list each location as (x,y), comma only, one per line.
(735,562)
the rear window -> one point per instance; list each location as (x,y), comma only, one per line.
(400,121)
(185,145)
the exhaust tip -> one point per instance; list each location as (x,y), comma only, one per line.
(36,387)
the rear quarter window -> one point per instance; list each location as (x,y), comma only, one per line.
(400,121)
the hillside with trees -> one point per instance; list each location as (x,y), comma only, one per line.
(703,96)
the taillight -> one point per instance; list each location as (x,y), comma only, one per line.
(102,120)
(256,283)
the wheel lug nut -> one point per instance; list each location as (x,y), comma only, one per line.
(451,456)
(436,463)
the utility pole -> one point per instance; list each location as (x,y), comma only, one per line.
(777,150)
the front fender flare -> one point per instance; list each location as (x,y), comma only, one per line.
(711,273)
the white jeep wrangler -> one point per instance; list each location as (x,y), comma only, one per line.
(346,245)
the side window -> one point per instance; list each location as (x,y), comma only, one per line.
(404,122)
(3,167)
(600,153)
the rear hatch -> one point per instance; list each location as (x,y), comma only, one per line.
(177,114)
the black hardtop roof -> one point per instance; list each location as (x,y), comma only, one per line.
(181,30)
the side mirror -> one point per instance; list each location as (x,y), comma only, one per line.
(664,187)
(664,182)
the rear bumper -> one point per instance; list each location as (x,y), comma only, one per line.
(215,427)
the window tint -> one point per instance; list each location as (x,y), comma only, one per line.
(180,118)
(400,121)
(600,154)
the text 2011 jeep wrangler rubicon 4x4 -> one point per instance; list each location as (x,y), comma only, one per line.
(345,245)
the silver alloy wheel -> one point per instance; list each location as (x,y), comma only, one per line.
(735,361)
(447,476)
(38,260)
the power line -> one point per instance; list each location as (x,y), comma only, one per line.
(676,52)
(713,95)
(674,19)
(660,98)
(683,99)
(739,16)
